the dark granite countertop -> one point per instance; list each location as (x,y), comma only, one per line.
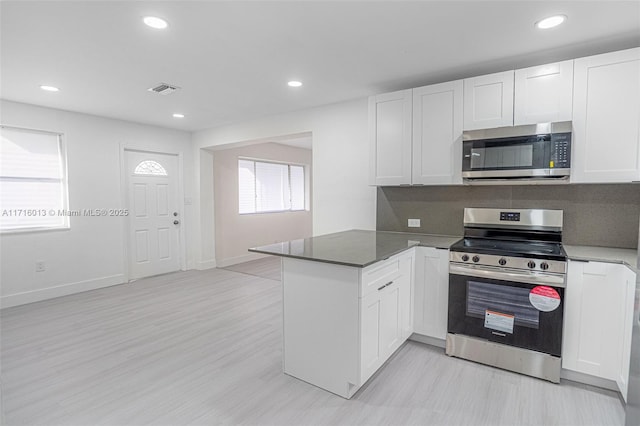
(357,248)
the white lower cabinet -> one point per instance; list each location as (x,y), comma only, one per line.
(386,314)
(431,294)
(598,315)
(341,323)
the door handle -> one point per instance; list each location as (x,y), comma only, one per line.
(176,222)
(386,285)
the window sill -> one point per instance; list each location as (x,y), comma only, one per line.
(274,212)
(20,231)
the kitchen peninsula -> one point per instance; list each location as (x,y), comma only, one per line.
(347,302)
(350,299)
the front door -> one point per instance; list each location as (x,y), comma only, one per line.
(154,216)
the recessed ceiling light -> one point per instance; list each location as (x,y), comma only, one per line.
(178,115)
(155,22)
(550,22)
(294,83)
(50,88)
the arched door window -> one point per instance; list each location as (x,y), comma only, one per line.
(150,168)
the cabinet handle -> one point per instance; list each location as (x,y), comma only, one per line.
(386,285)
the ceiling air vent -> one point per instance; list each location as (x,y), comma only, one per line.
(163,88)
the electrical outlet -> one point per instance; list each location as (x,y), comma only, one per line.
(414,223)
(40,266)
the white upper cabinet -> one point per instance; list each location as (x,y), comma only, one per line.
(488,101)
(606,118)
(416,134)
(543,94)
(390,138)
(437,134)
(532,95)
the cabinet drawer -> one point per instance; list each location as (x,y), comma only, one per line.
(375,276)
(380,274)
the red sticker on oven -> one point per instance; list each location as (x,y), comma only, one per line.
(543,298)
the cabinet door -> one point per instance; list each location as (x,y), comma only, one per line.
(488,101)
(625,356)
(543,94)
(371,357)
(437,134)
(405,285)
(390,138)
(386,313)
(431,292)
(594,318)
(390,319)
(606,118)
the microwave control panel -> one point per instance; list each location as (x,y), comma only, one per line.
(560,157)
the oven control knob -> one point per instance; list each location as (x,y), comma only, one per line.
(465,257)
(531,264)
(544,266)
(476,259)
(502,261)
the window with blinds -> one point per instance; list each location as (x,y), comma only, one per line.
(33,186)
(270,187)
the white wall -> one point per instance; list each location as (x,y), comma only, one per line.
(90,254)
(342,198)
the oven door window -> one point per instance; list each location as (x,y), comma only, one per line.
(493,302)
(503,311)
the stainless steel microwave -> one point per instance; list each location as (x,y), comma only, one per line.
(531,153)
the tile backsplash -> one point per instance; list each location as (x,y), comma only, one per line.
(595,215)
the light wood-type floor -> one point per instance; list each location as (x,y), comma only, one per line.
(204,347)
(268,267)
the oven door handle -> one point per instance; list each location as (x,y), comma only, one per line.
(542,278)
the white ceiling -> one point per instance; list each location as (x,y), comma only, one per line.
(233,59)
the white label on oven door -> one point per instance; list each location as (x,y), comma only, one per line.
(544,298)
(499,321)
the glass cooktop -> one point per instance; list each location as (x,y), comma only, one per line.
(538,249)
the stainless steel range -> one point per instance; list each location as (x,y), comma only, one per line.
(506,291)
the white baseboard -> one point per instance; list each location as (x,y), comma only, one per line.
(588,379)
(223,263)
(60,290)
(206,264)
(439,343)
